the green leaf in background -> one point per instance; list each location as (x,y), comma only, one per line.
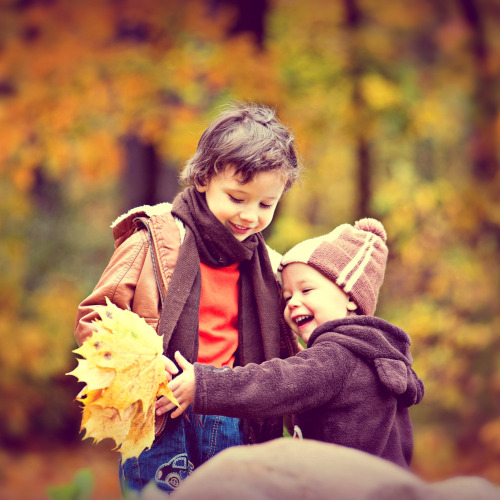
(79,489)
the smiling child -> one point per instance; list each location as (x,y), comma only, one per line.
(354,384)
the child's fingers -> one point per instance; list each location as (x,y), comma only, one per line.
(160,410)
(164,408)
(162,402)
(178,412)
(174,384)
(169,365)
(182,361)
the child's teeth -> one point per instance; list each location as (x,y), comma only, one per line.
(302,319)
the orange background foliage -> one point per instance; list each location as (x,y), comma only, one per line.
(396,112)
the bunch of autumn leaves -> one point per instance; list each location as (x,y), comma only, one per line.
(124,374)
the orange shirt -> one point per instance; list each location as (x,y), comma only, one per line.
(218,323)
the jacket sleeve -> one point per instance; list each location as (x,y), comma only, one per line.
(118,282)
(273,388)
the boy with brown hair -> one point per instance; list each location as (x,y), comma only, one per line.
(354,384)
(199,271)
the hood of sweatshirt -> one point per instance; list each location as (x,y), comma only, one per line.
(382,345)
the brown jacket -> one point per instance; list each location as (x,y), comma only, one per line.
(133,279)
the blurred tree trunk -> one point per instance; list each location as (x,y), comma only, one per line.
(353,24)
(484,119)
(484,144)
(250,17)
(146,180)
(44,229)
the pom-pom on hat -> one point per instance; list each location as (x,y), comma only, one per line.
(353,257)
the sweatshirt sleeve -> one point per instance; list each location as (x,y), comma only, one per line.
(273,388)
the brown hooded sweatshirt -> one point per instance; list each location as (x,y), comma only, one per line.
(352,386)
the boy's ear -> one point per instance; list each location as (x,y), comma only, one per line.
(351,306)
(200,188)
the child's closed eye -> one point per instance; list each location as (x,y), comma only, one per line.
(235,200)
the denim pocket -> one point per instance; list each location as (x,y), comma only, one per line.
(220,433)
(130,475)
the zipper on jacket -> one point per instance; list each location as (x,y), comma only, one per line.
(153,257)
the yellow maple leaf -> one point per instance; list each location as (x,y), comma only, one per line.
(94,376)
(141,429)
(105,422)
(124,374)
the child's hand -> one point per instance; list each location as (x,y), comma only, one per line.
(182,387)
(163,404)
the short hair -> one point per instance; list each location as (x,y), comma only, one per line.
(249,138)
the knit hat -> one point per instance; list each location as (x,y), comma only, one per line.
(353,257)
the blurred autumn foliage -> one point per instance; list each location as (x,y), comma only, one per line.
(396,110)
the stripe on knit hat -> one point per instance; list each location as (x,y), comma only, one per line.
(367,248)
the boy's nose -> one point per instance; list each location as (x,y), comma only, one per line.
(248,215)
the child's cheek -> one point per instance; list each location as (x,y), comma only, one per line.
(291,324)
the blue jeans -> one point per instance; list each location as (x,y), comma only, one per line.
(179,449)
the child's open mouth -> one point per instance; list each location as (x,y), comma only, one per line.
(301,321)
(240,229)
